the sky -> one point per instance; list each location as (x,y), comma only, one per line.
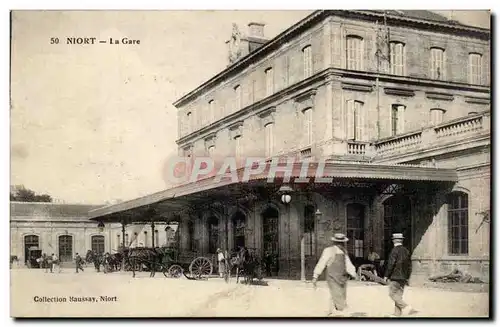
(95,123)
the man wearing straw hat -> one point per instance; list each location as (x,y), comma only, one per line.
(338,268)
(398,273)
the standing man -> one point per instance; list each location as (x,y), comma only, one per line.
(55,263)
(398,274)
(221,260)
(338,269)
(78,261)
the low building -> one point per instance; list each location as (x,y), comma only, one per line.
(65,229)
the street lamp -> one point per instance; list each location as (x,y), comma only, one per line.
(286,198)
(100,226)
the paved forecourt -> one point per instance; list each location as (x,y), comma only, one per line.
(119,295)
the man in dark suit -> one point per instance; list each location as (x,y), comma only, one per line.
(398,273)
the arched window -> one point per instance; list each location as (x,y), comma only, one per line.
(126,240)
(237,93)
(239,224)
(269,138)
(458,223)
(66,248)
(269,81)
(30,241)
(136,239)
(355,229)
(97,243)
(157,238)
(213,234)
(397,119)
(309,231)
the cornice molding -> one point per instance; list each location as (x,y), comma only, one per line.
(439,96)
(353,86)
(477,100)
(405,92)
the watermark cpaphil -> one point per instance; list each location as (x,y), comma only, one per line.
(179,170)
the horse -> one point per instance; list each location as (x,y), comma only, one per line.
(250,266)
(96,259)
(149,257)
(246,264)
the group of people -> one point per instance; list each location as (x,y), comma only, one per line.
(49,262)
(339,267)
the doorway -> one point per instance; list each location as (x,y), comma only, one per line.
(30,241)
(270,235)
(397,219)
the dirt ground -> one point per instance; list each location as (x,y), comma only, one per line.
(166,297)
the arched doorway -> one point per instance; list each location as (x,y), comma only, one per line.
(270,240)
(97,243)
(239,224)
(356,230)
(29,242)
(397,219)
(66,248)
(213,234)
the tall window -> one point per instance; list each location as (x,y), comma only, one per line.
(66,248)
(458,223)
(354,53)
(355,229)
(475,68)
(237,94)
(309,236)
(436,116)
(157,238)
(213,234)
(269,137)
(146,239)
(308,130)
(355,121)
(211,150)
(397,119)
(237,146)
(97,243)
(189,122)
(307,60)
(118,241)
(127,240)
(269,81)
(437,63)
(136,239)
(239,224)
(211,111)
(397,58)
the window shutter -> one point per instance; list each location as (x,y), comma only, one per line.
(359,116)
(350,119)
(401,119)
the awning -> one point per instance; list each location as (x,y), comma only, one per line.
(176,198)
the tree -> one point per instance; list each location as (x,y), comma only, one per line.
(22,194)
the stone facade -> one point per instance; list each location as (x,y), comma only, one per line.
(324,82)
(53,226)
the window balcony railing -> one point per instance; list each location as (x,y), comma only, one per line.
(446,133)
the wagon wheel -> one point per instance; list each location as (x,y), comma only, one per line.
(200,267)
(175,271)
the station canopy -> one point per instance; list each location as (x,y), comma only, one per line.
(164,205)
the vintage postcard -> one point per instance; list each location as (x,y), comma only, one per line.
(322,163)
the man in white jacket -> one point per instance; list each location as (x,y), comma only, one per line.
(338,268)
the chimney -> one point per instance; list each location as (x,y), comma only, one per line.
(256,30)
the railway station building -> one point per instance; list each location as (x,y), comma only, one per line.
(396,104)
